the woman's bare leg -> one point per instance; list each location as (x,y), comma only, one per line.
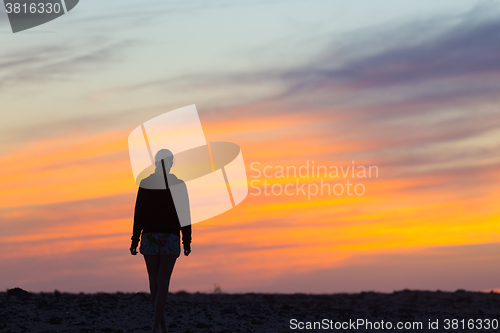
(153,265)
(166,267)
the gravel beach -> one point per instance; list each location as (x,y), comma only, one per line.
(21,311)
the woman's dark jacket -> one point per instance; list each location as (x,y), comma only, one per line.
(155,207)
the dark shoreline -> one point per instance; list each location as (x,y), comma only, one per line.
(21,311)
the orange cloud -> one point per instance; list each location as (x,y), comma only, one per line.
(49,179)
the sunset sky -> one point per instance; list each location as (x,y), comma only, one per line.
(411,88)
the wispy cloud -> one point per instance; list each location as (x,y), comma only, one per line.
(43,64)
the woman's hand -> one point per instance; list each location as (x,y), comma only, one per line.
(133,250)
(187,249)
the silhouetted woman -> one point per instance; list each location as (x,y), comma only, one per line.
(161,208)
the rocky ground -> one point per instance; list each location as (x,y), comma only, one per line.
(21,311)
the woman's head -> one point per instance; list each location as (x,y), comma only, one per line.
(167,157)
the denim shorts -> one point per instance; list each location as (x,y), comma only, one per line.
(161,243)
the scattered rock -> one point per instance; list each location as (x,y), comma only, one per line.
(257,322)
(201,325)
(19,293)
(42,303)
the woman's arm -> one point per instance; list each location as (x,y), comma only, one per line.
(185,219)
(139,203)
(186,239)
(186,235)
